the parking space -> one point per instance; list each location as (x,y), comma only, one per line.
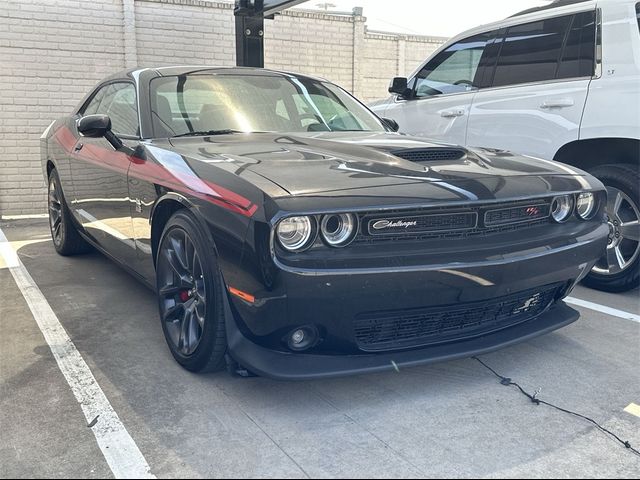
(451,419)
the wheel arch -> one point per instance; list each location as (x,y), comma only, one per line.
(590,153)
(164,208)
(50,166)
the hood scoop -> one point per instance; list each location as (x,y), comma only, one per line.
(438,154)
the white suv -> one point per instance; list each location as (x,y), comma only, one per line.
(559,82)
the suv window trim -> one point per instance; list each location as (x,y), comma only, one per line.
(500,33)
(597,65)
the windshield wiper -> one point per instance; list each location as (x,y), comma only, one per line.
(205,133)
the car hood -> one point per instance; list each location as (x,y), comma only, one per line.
(314,163)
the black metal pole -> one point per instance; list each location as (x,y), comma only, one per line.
(250,41)
(250,15)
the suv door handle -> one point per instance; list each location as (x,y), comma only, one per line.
(452,113)
(78,147)
(559,103)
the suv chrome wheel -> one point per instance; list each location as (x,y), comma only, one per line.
(624,234)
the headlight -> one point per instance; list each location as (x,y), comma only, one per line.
(339,230)
(561,208)
(295,233)
(586,205)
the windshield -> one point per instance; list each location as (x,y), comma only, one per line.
(226,103)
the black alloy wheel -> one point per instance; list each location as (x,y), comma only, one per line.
(64,233)
(190,293)
(182,291)
(55,211)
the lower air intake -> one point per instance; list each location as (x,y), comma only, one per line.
(398,329)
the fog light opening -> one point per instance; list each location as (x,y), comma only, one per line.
(302,338)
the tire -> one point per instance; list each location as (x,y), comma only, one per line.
(619,269)
(66,239)
(190,295)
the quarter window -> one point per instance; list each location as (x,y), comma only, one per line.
(531,52)
(638,14)
(453,70)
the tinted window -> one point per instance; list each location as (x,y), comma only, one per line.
(254,103)
(638,14)
(119,102)
(530,52)
(454,69)
(93,105)
(578,57)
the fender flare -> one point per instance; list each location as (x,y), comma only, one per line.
(188,205)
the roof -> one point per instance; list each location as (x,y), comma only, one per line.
(554,4)
(175,70)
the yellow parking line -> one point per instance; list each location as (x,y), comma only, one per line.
(633,409)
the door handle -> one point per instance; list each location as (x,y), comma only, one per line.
(452,113)
(559,103)
(78,147)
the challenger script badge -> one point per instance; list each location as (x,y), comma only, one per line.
(383,224)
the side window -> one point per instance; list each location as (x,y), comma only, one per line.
(638,14)
(530,52)
(453,70)
(578,57)
(119,102)
(93,105)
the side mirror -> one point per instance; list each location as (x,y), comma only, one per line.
(97,126)
(94,126)
(392,124)
(399,85)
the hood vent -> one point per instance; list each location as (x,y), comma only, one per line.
(430,154)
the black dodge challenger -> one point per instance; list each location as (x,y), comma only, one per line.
(291,233)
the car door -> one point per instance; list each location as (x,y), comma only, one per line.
(99,172)
(442,92)
(539,87)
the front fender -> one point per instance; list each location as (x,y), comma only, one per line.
(225,230)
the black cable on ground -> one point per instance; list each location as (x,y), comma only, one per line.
(507,382)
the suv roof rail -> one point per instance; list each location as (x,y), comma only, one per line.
(553,4)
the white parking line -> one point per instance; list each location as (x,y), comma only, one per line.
(120,451)
(24,217)
(603,309)
(633,409)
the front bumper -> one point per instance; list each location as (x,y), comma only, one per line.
(296,366)
(333,300)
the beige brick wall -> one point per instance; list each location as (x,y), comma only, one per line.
(52,52)
(312,43)
(187,33)
(49,58)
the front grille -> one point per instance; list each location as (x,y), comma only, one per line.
(409,328)
(425,223)
(452,222)
(525,213)
(430,154)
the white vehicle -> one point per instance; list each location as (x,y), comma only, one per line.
(559,82)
